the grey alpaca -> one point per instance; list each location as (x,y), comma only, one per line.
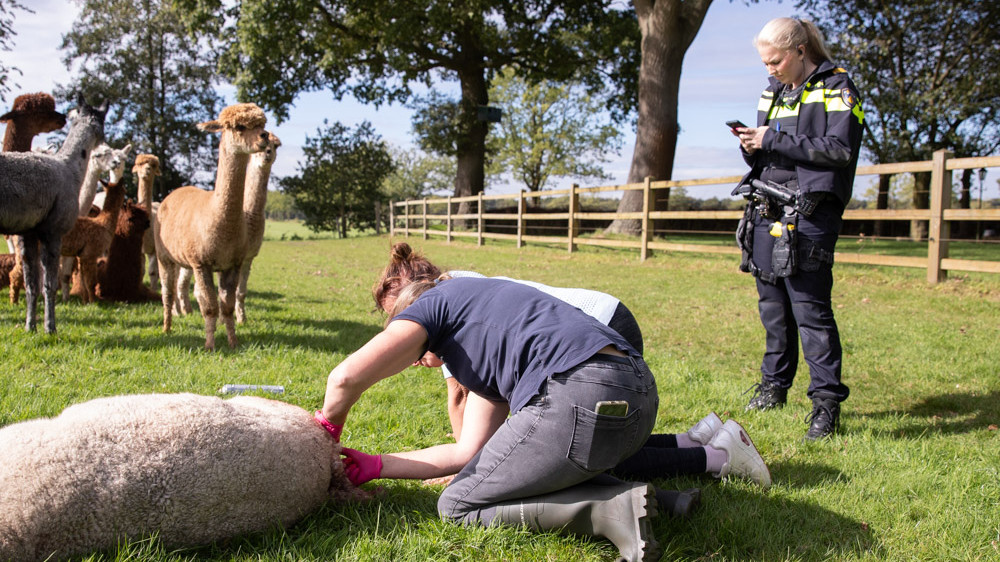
(39,202)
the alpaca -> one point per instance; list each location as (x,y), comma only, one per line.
(187,469)
(91,239)
(6,267)
(254,200)
(39,201)
(102,159)
(205,230)
(146,168)
(31,115)
(119,276)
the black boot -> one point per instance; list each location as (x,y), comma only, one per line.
(824,419)
(678,504)
(766,396)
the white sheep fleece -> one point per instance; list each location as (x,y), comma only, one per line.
(191,469)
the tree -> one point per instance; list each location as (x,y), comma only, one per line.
(549,130)
(377,49)
(668,28)
(160,82)
(7,33)
(417,175)
(922,69)
(339,183)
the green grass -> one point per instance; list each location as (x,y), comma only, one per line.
(914,475)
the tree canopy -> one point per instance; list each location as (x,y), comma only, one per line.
(378,50)
(7,33)
(160,82)
(339,183)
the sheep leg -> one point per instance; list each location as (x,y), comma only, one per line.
(50,267)
(208,302)
(241,292)
(30,267)
(167,285)
(228,282)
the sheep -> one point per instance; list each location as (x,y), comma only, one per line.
(38,202)
(89,240)
(205,230)
(119,276)
(186,468)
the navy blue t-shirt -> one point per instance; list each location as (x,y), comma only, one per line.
(502,339)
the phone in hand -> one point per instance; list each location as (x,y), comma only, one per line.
(734,124)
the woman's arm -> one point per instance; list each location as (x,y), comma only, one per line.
(482,419)
(386,354)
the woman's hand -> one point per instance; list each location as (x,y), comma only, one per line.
(359,467)
(751,138)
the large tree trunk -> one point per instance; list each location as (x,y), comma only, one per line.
(668,27)
(470,176)
(882,200)
(921,200)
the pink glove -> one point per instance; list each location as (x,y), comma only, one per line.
(361,468)
(333,430)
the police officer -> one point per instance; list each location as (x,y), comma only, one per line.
(807,139)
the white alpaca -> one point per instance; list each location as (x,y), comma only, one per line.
(187,469)
(205,230)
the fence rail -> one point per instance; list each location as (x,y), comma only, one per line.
(939,217)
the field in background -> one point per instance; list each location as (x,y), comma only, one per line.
(914,475)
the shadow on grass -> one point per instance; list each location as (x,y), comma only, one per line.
(948,414)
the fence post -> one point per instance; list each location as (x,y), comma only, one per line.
(938,229)
(449,220)
(482,224)
(647,205)
(574,223)
(392,218)
(406,217)
(424,217)
(520,219)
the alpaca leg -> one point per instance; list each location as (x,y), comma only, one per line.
(241,293)
(16,276)
(88,278)
(154,271)
(204,289)
(182,305)
(31,269)
(11,243)
(66,265)
(228,282)
(50,267)
(167,285)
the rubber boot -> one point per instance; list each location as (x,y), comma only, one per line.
(678,503)
(621,513)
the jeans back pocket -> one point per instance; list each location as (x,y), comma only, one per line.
(601,442)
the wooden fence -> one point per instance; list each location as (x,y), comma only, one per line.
(939,217)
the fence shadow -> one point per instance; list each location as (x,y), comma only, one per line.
(948,414)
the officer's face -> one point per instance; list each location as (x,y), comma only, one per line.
(787,66)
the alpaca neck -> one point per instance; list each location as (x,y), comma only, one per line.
(17,138)
(113,201)
(145,190)
(88,189)
(229,183)
(256,184)
(75,151)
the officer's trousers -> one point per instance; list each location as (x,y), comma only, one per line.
(798,308)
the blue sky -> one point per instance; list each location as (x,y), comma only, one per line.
(721,80)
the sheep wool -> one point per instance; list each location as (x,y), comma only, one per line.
(190,469)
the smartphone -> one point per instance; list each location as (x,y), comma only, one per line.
(736,123)
(617,408)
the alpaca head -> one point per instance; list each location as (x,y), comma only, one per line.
(146,167)
(268,155)
(37,112)
(93,118)
(106,159)
(241,126)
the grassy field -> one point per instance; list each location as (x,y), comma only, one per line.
(914,474)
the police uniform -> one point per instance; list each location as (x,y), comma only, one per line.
(811,146)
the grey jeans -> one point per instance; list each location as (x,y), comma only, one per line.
(557,440)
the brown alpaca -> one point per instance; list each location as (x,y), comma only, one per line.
(7,262)
(205,230)
(119,276)
(91,238)
(31,115)
(254,201)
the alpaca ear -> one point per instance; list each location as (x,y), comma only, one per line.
(104,183)
(127,149)
(210,127)
(6,116)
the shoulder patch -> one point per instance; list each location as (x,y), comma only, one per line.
(839,70)
(848,96)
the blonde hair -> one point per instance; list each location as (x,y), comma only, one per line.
(788,33)
(407,296)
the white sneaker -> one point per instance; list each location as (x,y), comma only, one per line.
(703,431)
(744,460)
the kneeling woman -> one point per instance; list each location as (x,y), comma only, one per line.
(547,364)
